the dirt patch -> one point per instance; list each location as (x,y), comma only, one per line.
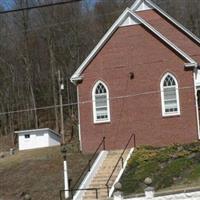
(38,172)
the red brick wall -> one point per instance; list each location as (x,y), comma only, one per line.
(134,49)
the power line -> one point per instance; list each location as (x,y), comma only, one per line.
(39,27)
(90,101)
(39,6)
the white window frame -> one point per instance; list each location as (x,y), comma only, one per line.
(95,120)
(174,113)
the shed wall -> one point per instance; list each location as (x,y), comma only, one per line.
(35,141)
(54,140)
(38,139)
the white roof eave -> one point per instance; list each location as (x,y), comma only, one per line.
(37,130)
(103,40)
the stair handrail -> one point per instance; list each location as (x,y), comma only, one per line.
(88,166)
(84,189)
(120,159)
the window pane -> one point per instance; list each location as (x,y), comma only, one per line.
(169,81)
(171,106)
(100,89)
(170,93)
(27,136)
(101,101)
(101,113)
(171,110)
(102,110)
(171,103)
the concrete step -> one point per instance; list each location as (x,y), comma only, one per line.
(102,193)
(103,174)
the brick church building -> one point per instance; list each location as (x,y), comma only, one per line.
(141,78)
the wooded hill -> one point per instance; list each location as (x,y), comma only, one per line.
(35,44)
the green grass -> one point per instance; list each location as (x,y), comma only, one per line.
(39,172)
(177,166)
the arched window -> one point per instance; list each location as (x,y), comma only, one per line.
(100,97)
(169,95)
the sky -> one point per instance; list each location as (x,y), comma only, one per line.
(7,4)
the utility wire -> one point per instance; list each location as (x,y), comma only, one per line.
(90,101)
(37,7)
(39,27)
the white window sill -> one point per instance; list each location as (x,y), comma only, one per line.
(171,115)
(102,122)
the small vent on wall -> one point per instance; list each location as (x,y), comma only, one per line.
(131,75)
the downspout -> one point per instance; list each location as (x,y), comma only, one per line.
(79,119)
(196,101)
(76,81)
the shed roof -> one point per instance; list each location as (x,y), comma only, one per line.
(37,131)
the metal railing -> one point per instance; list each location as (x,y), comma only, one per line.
(88,167)
(121,159)
(71,192)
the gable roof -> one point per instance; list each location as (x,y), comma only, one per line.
(149,4)
(129,13)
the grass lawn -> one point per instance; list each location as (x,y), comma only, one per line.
(177,166)
(39,172)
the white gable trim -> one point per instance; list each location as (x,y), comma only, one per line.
(103,40)
(134,7)
(172,45)
(119,21)
(141,5)
(129,21)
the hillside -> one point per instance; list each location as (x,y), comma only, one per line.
(37,43)
(39,172)
(173,167)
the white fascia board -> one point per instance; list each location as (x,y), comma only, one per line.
(32,130)
(76,79)
(191,65)
(162,12)
(141,5)
(37,130)
(104,39)
(168,42)
(129,21)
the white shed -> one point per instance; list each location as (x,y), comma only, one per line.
(37,138)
